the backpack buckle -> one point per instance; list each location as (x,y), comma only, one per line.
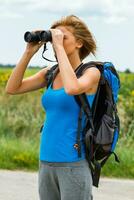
(76,146)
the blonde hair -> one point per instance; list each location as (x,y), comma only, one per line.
(80,31)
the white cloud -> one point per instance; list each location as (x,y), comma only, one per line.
(8,14)
(110,11)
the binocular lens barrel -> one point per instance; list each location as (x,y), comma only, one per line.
(44,36)
(31,37)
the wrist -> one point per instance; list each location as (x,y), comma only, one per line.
(59,47)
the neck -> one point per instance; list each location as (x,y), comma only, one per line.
(74,61)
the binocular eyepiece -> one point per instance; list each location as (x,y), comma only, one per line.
(43,36)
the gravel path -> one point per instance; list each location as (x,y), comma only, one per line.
(19,185)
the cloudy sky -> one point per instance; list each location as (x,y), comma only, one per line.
(110,21)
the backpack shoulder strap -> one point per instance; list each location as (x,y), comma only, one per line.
(82,101)
(82,98)
(98,65)
(51,73)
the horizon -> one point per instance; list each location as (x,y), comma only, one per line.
(37,66)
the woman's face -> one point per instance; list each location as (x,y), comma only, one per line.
(70,43)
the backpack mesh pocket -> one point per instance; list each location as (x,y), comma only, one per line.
(105,131)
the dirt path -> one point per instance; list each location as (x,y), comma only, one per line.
(18,185)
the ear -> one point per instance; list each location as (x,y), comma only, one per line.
(79,43)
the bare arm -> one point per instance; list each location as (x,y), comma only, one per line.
(16,84)
(31,83)
(87,83)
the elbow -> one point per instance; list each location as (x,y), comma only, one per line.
(72,91)
(8,91)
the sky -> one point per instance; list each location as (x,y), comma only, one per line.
(110,21)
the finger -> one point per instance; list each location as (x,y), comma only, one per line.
(51,30)
(56,31)
(40,43)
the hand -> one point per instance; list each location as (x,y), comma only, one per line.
(57,37)
(33,47)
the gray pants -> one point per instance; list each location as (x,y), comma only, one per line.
(65,181)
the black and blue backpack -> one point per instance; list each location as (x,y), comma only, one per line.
(102,125)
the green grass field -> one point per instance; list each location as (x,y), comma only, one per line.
(22,115)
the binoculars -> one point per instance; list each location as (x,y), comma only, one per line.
(43,36)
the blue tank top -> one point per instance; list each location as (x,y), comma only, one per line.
(58,135)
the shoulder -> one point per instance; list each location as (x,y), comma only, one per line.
(92,71)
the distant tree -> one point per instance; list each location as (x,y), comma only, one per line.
(127,71)
(6,65)
(13,65)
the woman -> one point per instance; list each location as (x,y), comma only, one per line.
(62,174)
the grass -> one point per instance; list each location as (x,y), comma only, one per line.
(124,169)
(23,154)
(22,115)
(19,153)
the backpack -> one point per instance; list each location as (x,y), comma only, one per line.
(102,125)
